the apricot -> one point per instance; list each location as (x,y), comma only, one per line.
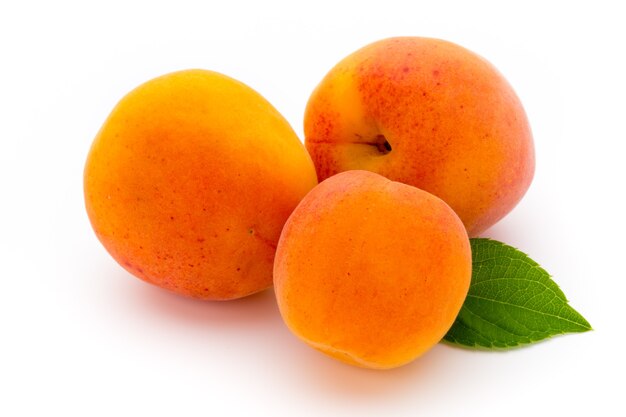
(189,182)
(370,271)
(428,113)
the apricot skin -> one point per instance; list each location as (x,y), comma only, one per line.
(454,125)
(189,182)
(371,272)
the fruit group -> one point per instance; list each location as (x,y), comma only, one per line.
(427,113)
(370,271)
(189,182)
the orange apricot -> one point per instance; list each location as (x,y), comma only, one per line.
(427,113)
(371,272)
(189,182)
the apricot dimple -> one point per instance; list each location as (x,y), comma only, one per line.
(370,271)
(189,182)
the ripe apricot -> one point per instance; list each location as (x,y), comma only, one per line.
(427,113)
(189,182)
(371,272)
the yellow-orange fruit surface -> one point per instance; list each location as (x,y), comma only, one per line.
(371,272)
(189,182)
(428,113)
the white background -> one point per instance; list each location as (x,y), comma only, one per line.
(80,336)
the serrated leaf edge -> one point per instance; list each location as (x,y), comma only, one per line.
(584,326)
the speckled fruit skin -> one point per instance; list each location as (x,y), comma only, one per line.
(189,183)
(428,113)
(371,272)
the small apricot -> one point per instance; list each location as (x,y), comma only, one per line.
(371,272)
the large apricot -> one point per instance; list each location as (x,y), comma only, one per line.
(370,271)
(189,182)
(428,113)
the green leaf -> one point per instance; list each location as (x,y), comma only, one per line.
(512,301)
